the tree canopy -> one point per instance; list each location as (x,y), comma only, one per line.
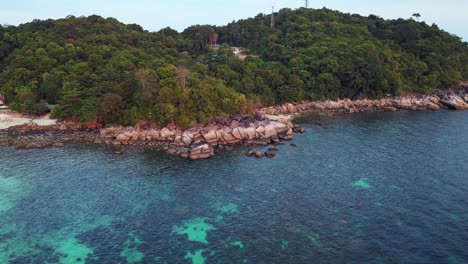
(95,68)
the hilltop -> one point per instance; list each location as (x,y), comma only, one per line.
(99,69)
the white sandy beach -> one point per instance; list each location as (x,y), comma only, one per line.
(9,119)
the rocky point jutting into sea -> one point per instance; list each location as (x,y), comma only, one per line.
(271,125)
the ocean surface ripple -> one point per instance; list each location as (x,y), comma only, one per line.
(361,188)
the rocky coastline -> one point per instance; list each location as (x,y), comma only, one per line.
(194,143)
(202,142)
(452,99)
(32,135)
(271,125)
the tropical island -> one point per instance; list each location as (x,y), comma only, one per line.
(108,82)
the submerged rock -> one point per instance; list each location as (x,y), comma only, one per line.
(259,154)
(275,140)
(172,151)
(196,230)
(273,148)
(298,129)
(362,183)
(261,142)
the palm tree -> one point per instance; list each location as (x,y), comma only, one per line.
(417,16)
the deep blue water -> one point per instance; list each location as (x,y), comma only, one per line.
(361,188)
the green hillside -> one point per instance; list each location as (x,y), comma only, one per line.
(328,54)
(93,68)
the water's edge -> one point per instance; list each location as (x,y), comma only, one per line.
(271,126)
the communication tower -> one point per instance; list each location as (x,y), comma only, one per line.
(272,18)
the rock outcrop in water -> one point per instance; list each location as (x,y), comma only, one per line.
(194,143)
(200,142)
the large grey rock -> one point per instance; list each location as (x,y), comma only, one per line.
(287,135)
(239,133)
(153,134)
(251,133)
(122,138)
(186,138)
(166,133)
(203,151)
(454,102)
(260,129)
(229,138)
(111,132)
(431,103)
(270,131)
(210,136)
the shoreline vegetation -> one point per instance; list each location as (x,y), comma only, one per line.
(95,68)
(271,125)
(93,72)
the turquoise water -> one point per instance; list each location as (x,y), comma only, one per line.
(363,188)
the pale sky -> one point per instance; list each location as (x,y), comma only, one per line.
(450,15)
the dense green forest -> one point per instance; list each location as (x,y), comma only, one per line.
(94,68)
